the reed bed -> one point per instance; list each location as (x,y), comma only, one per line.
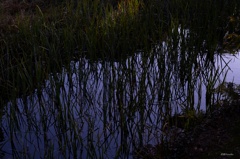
(49,35)
(102,79)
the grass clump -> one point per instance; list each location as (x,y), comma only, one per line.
(41,35)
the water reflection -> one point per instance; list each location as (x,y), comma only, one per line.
(104,109)
(233,73)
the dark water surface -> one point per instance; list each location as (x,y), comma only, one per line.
(106,109)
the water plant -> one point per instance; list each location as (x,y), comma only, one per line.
(97,79)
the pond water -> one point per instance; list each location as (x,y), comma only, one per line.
(233,74)
(106,109)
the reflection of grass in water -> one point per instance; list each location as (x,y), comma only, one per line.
(129,115)
(47,41)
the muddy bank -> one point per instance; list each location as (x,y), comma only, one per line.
(217,136)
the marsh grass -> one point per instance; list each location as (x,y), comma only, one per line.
(136,64)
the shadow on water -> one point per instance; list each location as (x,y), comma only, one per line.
(107,109)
